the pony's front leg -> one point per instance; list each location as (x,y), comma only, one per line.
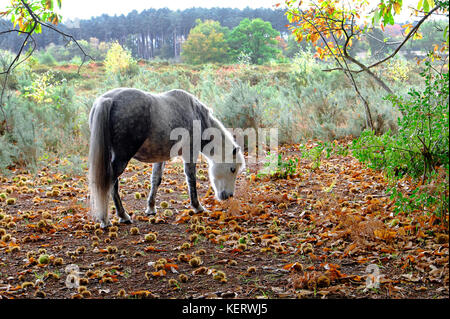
(157,172)
(189,170)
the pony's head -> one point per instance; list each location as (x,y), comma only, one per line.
(223,174)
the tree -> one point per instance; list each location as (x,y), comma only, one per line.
(150,33)
(256,39)
(332,25)
(420,146)
(206,43)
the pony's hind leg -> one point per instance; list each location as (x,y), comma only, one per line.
(118,168)
(121,213)
(157,172)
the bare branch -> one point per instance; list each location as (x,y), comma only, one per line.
(51,27)
(382,41)
(15,62)
(410,34)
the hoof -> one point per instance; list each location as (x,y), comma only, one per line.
(105,224)
(200,209)
(126,219)
(150,211)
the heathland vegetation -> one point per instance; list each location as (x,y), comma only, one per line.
(251,72)
(251,75)
(364,156)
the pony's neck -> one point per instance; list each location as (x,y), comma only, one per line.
(222,142)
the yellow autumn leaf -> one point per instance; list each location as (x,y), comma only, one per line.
(20,21)
(397,7)
(407,30)
(417,36)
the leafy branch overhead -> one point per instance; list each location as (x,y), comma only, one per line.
(28,14)
(332,26)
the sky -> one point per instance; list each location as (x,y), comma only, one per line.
(84,9)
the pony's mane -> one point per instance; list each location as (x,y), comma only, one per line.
(209,120)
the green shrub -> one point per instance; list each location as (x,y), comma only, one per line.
(55,125)
(276,167)
(20,144)
(242,106)
(46,58)
(17,73)
(421,142)
(420,147)
(119,61)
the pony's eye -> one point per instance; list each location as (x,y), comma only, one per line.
(233,169)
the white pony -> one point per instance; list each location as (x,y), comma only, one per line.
(128,123)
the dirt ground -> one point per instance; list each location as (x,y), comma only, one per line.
(324,232)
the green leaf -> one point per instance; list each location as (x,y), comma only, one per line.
(419,5)
(376,17)
(389,18)
(426,6)
(446,33)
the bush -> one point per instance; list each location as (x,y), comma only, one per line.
(119,61)
(20,145)
(337,110)
(46,58)
(264,105)
(41,125)
(420,147)
(242,107)
(42,89)
(20,71)
(421,142)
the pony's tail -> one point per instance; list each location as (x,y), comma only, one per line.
(100,179)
